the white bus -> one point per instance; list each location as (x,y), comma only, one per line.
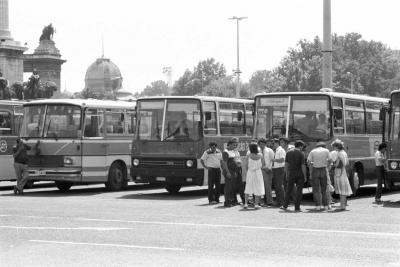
(79,141)
(354,119)
(161,154)
(11,113)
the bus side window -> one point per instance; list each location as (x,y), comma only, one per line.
(210,118)
(355,119)
(338,121)
(93,123)
(5,123)
(374,124)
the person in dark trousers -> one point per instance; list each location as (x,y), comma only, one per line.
(380,160)
(278,172)
(296,174)
(318,160)
(211,161)
(20,166)
(232,170)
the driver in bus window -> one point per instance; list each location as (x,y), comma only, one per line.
(322,124)
(307,123)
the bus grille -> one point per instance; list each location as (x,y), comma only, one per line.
(163,163)
(45,161)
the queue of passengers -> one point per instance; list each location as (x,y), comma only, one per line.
(279,165)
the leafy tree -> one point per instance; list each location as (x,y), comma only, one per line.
(156,88)
(192,83)
(264,81)
(370,66)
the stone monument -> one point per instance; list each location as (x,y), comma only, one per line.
(46,59)
(11,52)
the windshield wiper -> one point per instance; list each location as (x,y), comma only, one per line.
(54,135)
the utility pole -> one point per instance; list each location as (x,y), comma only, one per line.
(351,81)
(327,46)
(237,71)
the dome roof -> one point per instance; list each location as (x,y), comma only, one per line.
(103,76)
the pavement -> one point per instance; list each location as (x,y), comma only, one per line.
(145,226)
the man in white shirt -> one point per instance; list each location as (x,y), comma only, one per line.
(318,160)
(278,172)
(268,155)
(380,160)
(211,161)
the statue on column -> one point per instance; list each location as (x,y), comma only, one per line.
(47,33)
(33,87)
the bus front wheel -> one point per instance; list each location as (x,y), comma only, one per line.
(116,178)
(63,186)
(173,188)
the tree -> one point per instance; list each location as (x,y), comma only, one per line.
(264,81)
(370,66)
(192,83)
(156,88)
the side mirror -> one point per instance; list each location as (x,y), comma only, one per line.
(239,116)
(207,115)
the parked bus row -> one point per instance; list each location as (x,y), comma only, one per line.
(90,141)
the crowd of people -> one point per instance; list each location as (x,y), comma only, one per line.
(276,164)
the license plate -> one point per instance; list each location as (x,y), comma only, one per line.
(160,179)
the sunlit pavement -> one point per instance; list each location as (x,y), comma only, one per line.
(145,226)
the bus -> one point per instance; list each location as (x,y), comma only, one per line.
(172,133)
(79,141)
(391,118)
(11,114)
(325,116)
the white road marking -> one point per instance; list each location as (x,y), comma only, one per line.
(250,227)
(65,228)
(105,245)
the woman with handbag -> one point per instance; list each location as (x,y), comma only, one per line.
(342,185)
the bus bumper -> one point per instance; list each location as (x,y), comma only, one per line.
(168,176)
(68,175)
(393,175)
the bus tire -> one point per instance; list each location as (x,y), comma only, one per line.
(173,188)
(63,186)
(354,182)
(116,177)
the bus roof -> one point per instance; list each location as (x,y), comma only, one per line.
(203,98)
(12,102)
(334,94)
(85,103)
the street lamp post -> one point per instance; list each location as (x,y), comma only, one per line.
(351,81)
(237,71)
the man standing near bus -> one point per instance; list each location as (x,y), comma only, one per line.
(268,155)
(20,166)
(380,160)
(231,167)
(278,172)
(211,161)
(318,160)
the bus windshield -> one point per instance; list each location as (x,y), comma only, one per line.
(180,122)
(60,121)
(308,117)
(395,125)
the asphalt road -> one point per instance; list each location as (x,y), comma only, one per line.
(145,226)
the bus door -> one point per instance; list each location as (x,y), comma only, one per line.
(94,146)
(7,141)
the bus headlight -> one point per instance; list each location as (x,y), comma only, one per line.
(393,165)
(68,161)
(135,162)
(189,163)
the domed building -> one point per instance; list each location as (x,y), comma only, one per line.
(103,77)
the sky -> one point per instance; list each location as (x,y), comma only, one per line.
(143,37)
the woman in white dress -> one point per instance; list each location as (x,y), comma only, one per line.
(254,177)
(342,185)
